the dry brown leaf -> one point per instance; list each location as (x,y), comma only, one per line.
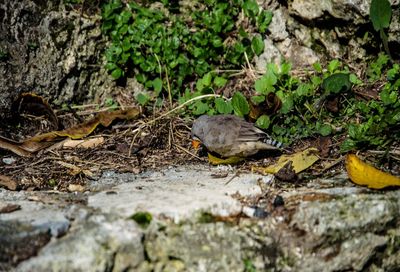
(44,140)
(362,173)
(8,208)
(76,188)
(74,170)
(87,143)
(8,182)
(84,129)
(12,146)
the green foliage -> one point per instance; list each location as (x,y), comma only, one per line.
(263,121)
(376,68)
(170,50)
(249,266)
(380,13)
(181,56)
(366,123)
(240,105)
(336,83)
(222,106)
(110,103)
(143,99)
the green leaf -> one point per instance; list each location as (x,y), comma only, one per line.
(207,80)
(388,97)
(220,81)
(257,44)
(337,83)
(285,68)
(263,121)
(111,66)
(143,99)
(257,99)
(263,20)
(317,67)
(352,130)
(393,73)
(303,89)
(200,108)
(217,42)
(287,102)
(265,84)
(157,85)
(223,106)
(250,8)
(117,73)
(348,145)
(325,130)
(240,104)
(333,65)
(380,13)
(354,79)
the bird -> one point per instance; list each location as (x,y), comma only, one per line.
(228,135)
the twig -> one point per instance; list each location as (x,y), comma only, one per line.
(249,65)
(187,151)
(234,176)
(168,88)
(137,130)
(178,108)
(329,166)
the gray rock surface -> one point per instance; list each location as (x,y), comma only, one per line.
(188,191)
(52,50)
(200,223)
(100,243)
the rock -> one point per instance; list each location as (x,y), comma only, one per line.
(341,9)
(52,51)
(19,241)
(102,243)
(198,225)
(187,192)
(298,55)
(38,215)
(208,247)
(277,27)
(351,213)
(346,239)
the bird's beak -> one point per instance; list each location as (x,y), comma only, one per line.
(196,144)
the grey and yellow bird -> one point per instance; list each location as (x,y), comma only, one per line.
(230,136)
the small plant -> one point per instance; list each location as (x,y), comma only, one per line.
(167,50)
(380,13)
(249,266)
(143,219)
(306,105)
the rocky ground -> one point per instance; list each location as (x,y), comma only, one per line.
(203,219)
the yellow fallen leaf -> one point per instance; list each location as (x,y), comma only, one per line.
(216,161)
(300,161)
(362,173)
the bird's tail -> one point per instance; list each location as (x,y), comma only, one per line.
(272,142)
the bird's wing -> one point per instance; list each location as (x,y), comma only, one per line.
(249,133)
